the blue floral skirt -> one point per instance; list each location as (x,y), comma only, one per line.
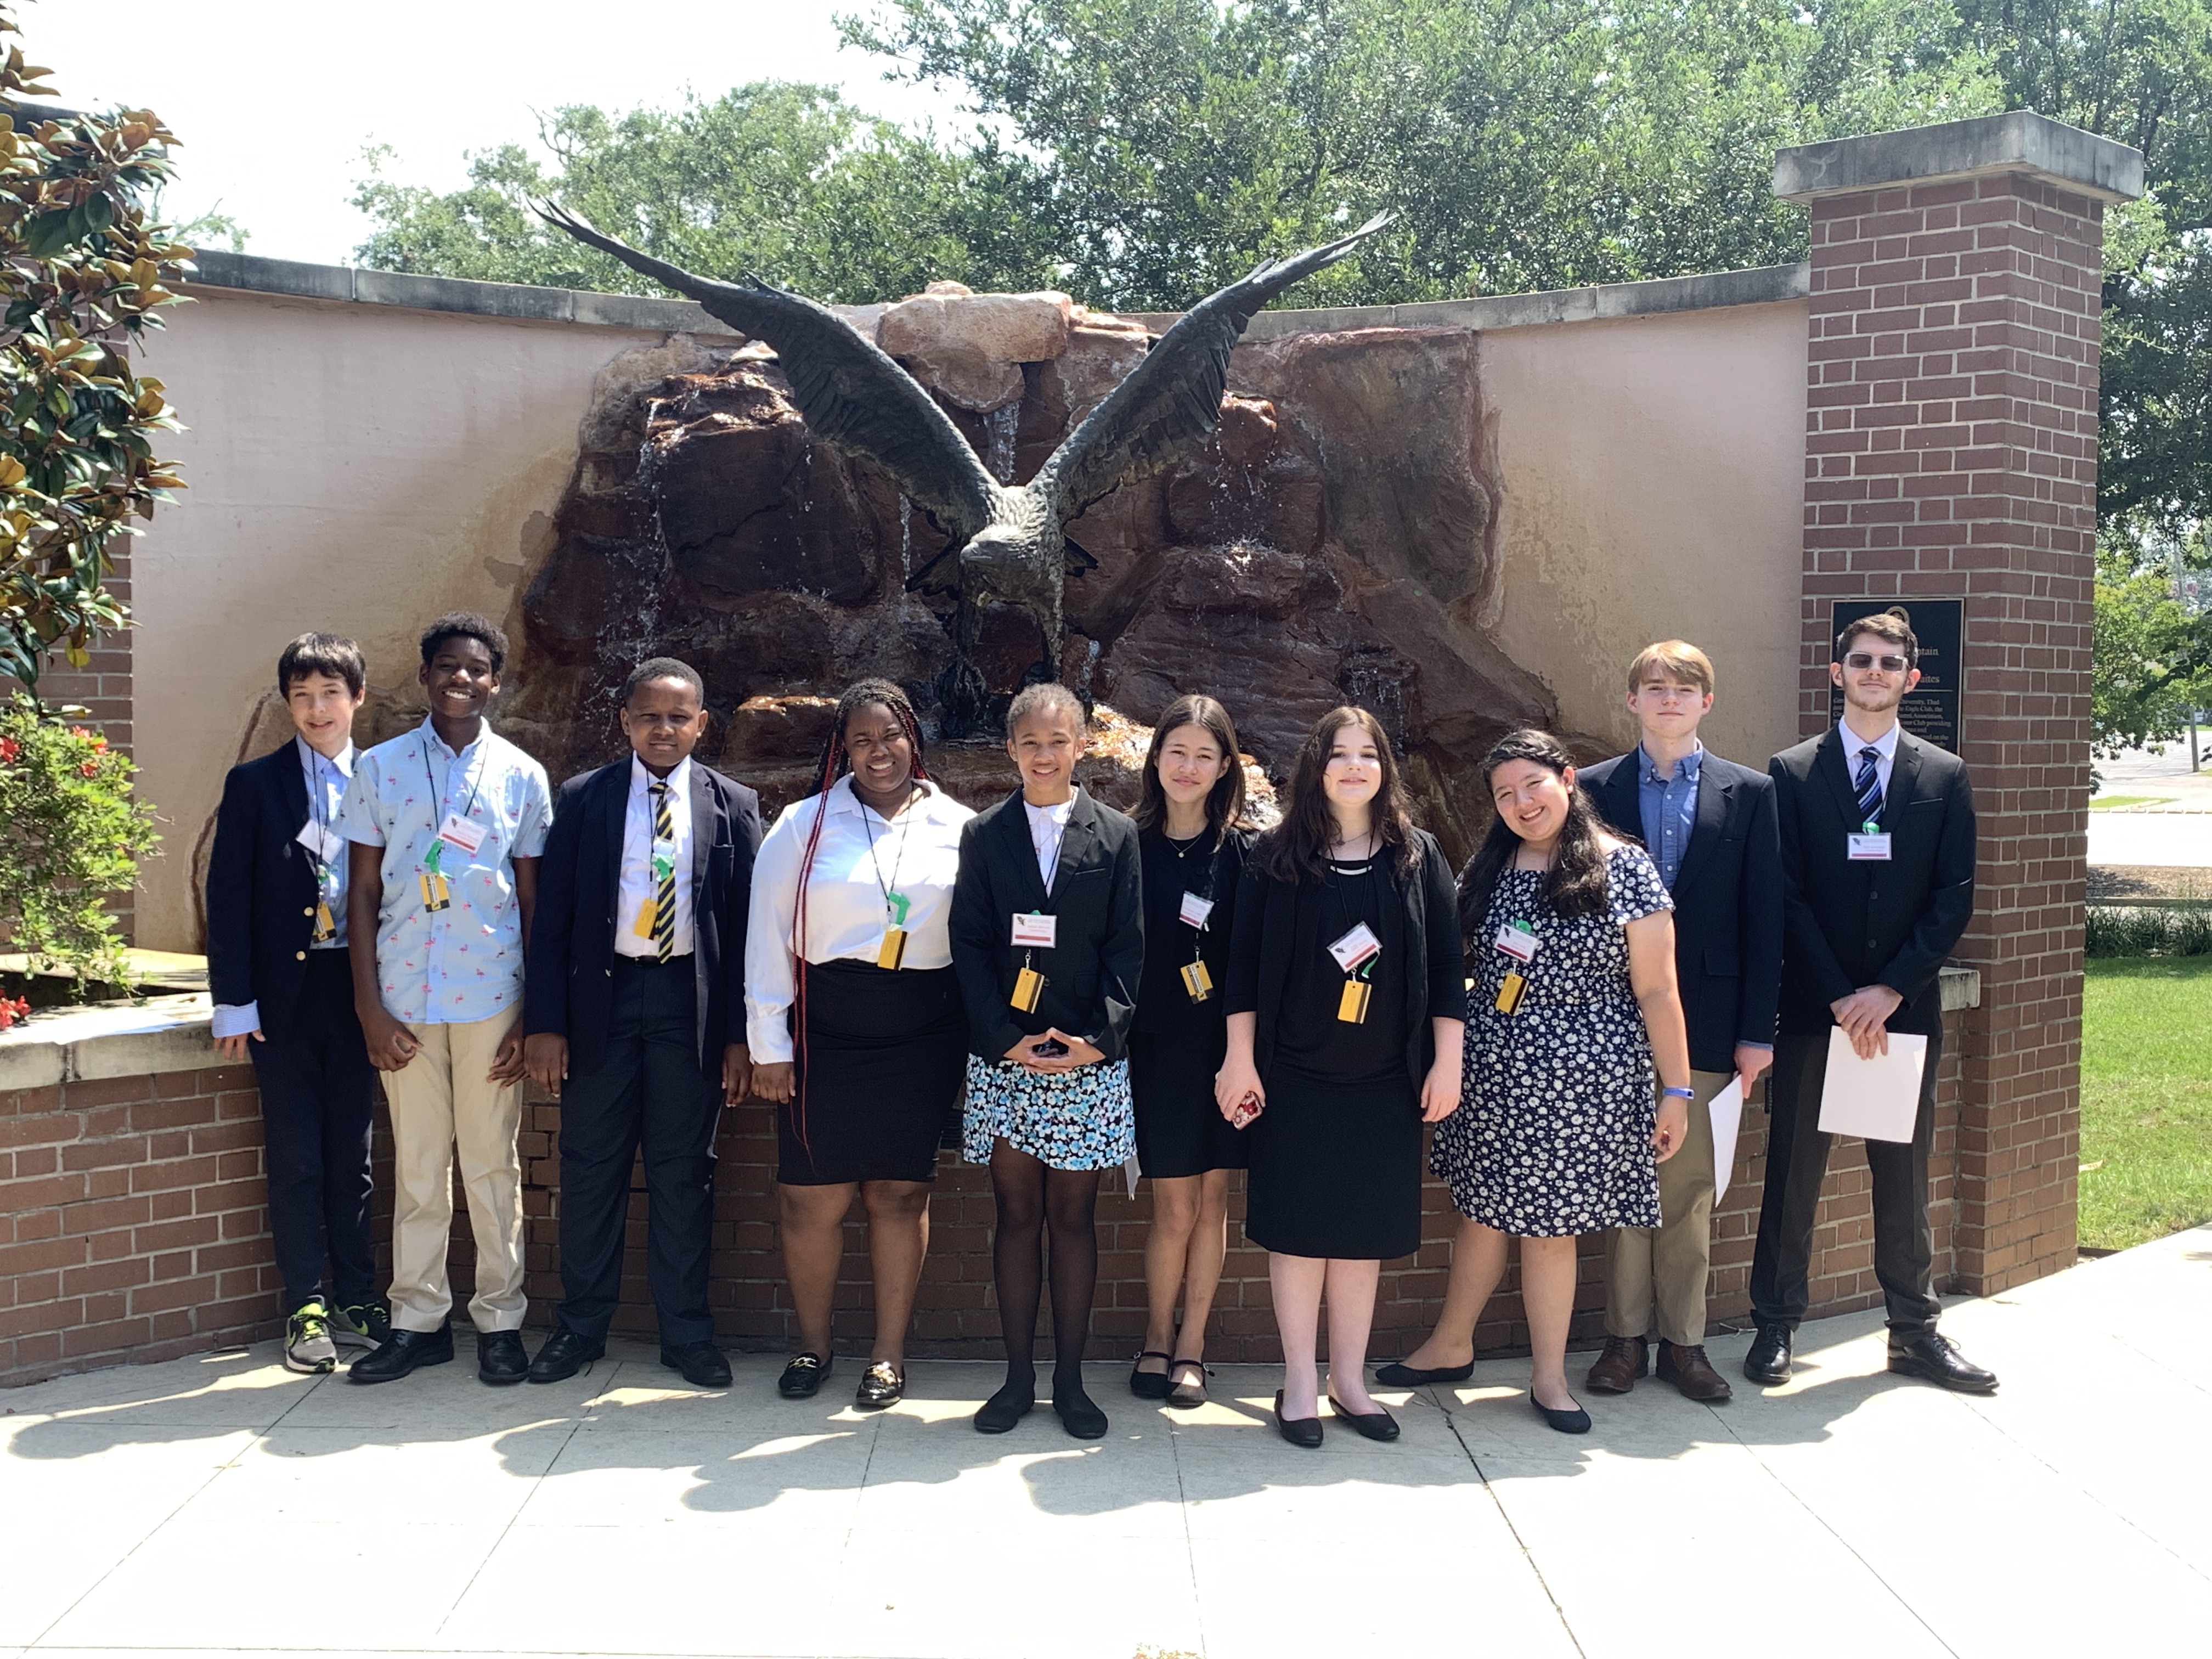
(1079,1120)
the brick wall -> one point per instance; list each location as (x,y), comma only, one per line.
(1951,450)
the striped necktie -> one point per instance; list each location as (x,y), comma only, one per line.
(1868,784)
(664,902)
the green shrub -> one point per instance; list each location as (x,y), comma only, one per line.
(2144,931)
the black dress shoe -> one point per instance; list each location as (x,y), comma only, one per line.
(1374,1426)
(564,1354)
(803,1377)
(403,1351)
(501,1358)
(882,1384)
(1301,1432)
(702,1363)
(1398,1376)
(1079,1415)
(1151,1385)
(1007,1407)
(1768,1362)
(1930,1356)
(1575,1420)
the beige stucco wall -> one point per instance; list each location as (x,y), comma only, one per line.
(352,467)
(1654,489)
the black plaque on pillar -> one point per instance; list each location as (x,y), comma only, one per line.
(1932,708)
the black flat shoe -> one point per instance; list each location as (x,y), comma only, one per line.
(1574,1422)
(882,1384)
(803,1377)
(564,1354)
(702,1364)
(1302,1432)
(1374,1426)
(1005,1408)
(1932,1358)
(1398,1376)
(1150,1385)
(1185,1395)
(402,1352)
(1079,1415)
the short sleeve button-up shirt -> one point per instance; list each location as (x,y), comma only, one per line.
(463,964)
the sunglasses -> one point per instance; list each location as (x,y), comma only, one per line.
(1866,659)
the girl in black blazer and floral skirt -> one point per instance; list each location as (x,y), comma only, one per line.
(1047,934)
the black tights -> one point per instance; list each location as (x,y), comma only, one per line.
(1033,1198)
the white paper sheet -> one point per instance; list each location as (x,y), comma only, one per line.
(1876,1099)
(1726,1107)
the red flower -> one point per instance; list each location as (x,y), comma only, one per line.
(90,768)
(99,743)
(9,750)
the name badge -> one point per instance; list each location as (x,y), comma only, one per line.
(464,834)
(1518,940)
(321,840)
(1195,910)
(1036,930)
(1359,946)
(1029,985)
(1862,848)
(1197,980)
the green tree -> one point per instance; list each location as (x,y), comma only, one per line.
(2152,656)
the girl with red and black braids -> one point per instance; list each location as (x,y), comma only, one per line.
(853,1016)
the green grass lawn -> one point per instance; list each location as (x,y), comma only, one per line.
(2146,1099)
(2106,803)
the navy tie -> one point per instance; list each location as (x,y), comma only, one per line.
(1868,784)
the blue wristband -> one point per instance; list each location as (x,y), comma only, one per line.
(1685,1094)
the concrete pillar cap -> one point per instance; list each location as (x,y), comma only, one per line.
(2019,141)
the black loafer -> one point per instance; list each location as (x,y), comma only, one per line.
(1568,1422)
(1374,1426)
(1079,1415)
(1005,1408)
(501,1358)
(702,1363)
(1301,1432)
(803,1377)
(1933,1358)
(1151,1385)
(882,1384)
(1768,1362)
(1397,1375)
(403,1352)
(564,1354)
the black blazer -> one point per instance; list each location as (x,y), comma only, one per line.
(1849,925)
(1435,969)
(261,890)
(1092,974)
(567,985)
(1728,900)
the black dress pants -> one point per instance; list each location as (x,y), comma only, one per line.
(1797,1162)
(649,1091)
(317,1089)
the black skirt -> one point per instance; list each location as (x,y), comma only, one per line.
(879,1069)
(1335,1169)
(1180,1130)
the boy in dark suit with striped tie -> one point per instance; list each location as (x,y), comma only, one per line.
(634,1010)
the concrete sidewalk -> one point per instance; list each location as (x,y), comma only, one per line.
(220,1503)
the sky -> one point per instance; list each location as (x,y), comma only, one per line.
(273,100)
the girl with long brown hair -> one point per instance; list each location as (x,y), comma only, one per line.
(853,1013)
(1346,990)
(1192,836)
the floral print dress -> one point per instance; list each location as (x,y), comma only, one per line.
(1554,1133)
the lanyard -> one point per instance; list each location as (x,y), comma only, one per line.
(1051,874)
(1338,880)
(475,781)
(895,902)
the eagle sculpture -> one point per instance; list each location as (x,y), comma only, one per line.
(1008,541)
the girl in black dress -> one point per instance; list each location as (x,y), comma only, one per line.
(1191,832)
(1345,998)
(853,1012)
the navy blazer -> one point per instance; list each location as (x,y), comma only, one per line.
(261,890)
(1728,900)
(1851,924)
(567,985)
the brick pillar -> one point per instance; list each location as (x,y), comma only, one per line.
(1951,450)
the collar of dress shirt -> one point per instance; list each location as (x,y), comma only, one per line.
(1884,745)
(641,780)
(483,731)
(1687,767)
(309,755)
(843,803)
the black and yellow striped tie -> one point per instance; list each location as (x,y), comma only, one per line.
(664,902)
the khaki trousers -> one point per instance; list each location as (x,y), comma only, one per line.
(442,1104)
(1667,1266)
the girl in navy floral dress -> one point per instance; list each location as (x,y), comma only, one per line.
(1569,932)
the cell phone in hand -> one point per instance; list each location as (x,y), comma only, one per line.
(1050,1048)
(1247,1109)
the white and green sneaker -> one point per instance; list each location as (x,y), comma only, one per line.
(364,1325)
(308,1344)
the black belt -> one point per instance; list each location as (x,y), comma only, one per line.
(621,961)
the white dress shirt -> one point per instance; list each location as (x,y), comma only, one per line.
(859,858)
(327,786)
(1047,828)
(1884,749)
(641,889)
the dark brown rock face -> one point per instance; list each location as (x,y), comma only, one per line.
(1334,543)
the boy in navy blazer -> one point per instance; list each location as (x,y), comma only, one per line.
(277,964)
(1709,826)
(634,1012)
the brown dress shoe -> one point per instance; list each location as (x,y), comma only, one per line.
(1688,1370)
(1620,1365)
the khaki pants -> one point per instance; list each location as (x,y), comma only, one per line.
(441,1104)
(1669,1265)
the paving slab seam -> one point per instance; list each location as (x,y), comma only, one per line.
(1183,1514)
(1451,1421)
